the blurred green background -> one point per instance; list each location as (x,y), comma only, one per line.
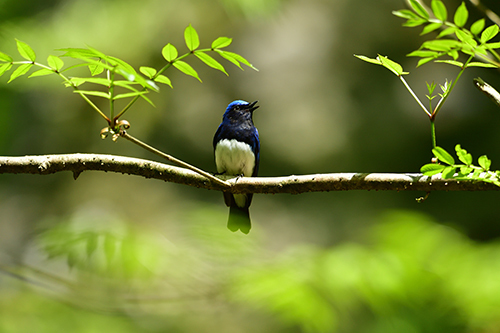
(119,253)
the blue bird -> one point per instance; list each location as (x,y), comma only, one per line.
(236,145)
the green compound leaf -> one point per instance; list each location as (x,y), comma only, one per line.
(448,172)
(367,59)
(443,155)
(25,51)
(163,79)
(21,70)
(414,23)
(432,169)
(148,71)
(430,28)
(221,42)
(463,156)
(405,13)
(477,27)
(55,63)
(444,45)
(186,69)
(41,72)
(423,61)
(210,61)
(481,64)
(419,9)
(5,57)
(423,54)
(235,59)
(4,68)
(191,38)
(451,62)
(495,45)
(461,15)
(447,32)
(169,52)
(391,65)
(489,33)
(484,162)
(439,10)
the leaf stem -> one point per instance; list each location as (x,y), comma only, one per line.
(414,96)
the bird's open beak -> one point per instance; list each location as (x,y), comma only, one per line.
(251,107)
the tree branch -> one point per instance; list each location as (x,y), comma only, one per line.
(77,163)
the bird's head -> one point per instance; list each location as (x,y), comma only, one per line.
(240,110)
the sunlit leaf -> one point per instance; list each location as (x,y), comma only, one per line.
(191,38)
(461,15)
(169,52)
(423,61)
(432,169)
(163,79)
(25,51)
(484,162)
(235,59)
(439,10)
(443,155)
(93,93)
(477,27)
(451,62)
(55,63)
(41,72)
(430,27)
(80,53)
(448,172)
(489,33)
(463,156)
(186,69)
(148,71)
(21,70)
(423,53)
(447,32)
(4,68)
(414,22)
(391,65)
(367,59)
(417,7)
(132,94)
(95,69)
(495,45)
(5,57)
(221,42)
(481,64)
(405,13)
(466,37)
(210,61)
(441,44)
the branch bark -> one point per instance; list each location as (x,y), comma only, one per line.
(77,163)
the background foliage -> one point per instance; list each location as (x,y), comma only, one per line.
(124,254)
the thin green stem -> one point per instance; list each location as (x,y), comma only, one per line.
(433,133)
(170,158)
(414,96)
(127,106)
(448,91)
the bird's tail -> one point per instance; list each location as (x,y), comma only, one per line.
(239,219)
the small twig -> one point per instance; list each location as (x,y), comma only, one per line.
(487,90)
(172,159)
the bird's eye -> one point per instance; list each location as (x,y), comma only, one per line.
(237,108)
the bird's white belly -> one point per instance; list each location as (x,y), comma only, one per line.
(235,158)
